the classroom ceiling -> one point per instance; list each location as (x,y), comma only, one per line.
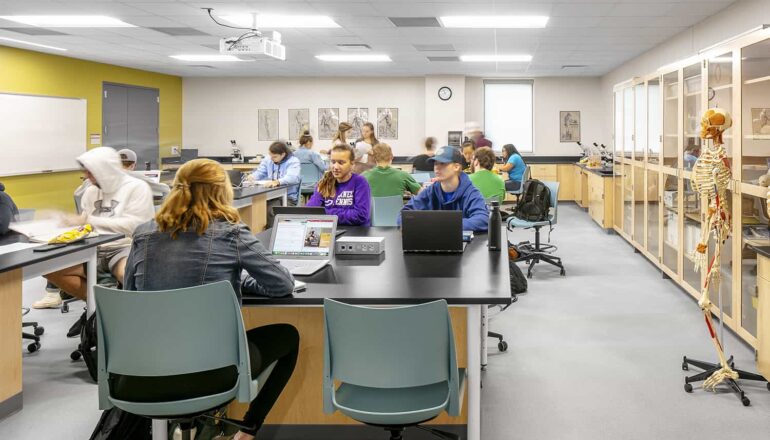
(599,35)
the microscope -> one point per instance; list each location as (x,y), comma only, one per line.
(236,152)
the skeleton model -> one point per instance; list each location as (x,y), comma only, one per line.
(711,175)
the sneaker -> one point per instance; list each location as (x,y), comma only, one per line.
(51,300)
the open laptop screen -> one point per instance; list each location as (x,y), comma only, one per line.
(303,237)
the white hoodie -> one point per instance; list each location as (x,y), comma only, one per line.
(118,203)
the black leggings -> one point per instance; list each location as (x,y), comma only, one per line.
(267,344)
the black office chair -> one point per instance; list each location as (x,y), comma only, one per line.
(37,329)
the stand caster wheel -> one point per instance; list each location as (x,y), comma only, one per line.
(33,347)
(75,355)
(685,367)
(688,388)
(745,401)
(65,308)
(502,346)
(39,331)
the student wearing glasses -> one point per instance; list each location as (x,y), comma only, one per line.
(282,169)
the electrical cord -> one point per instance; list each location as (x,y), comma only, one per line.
(225,25)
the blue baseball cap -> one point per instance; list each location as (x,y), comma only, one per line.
(447,154)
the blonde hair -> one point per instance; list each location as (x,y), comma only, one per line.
(201,194)
(327,186)
(340,135)
(382,152)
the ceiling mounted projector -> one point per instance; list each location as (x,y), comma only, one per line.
(252,44)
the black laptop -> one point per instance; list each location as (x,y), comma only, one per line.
(432,231)
(299,210)
(236,177)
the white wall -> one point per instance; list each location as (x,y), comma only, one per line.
(552,95)
(735,19)
(444,116)
(216,110)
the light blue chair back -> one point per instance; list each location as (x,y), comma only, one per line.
(172,332)
(394,347)
(524,178)
(421,177)
(310,175)
(385,210)
(554,188)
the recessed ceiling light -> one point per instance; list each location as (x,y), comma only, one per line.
(207,58)
(494,21)
(281,21)
(72,21)
(496,58)
(354,58)
(13,40)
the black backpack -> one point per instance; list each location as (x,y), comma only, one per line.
(116,424)
(87,347)
(534,203)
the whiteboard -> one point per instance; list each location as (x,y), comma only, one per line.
(40,133)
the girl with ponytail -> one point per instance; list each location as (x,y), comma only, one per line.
(341,192)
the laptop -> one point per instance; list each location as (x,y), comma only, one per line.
(303,243)
(236,177)
(432,231)
(304,210)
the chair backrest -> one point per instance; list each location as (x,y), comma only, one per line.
(309,173)
(490,199)
(553,187)
(421,177)
(170,332)
(393,347)
(385,210)
(524,177)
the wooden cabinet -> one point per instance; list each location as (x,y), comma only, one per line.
(566,178)
(763,316)
(599,199)
(545,172)
(577,174)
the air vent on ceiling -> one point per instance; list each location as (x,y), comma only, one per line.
(443,59)
(179,31)
(354,47)
(573,66)
(414,21)
(32,31)
(434,47)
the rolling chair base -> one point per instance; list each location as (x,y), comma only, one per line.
(37,331)
(709,368)
(397,431)
(533,253)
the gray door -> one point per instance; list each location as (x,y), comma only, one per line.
(130,120)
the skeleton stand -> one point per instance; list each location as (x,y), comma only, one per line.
(711,176)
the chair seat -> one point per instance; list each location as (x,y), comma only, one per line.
(524,224)
(392,406)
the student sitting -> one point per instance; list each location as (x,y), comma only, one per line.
(305,153)
(341,192)
(8,210)
(385,180)
(420,162)
(514,166)
(114,203)
(468,148)
(489,183)
(197,238)
(364,159)
(453,191)
(282,169)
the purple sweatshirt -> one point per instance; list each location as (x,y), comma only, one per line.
(351,203)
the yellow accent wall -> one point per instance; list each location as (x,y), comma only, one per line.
(36,73)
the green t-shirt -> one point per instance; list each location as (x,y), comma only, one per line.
(390,181)
(489,184)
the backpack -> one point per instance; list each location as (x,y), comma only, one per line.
(87,347)
(116,424)
(534,203)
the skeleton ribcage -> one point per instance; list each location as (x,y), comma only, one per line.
(710,174)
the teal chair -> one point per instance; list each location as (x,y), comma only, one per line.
(192,331)
(537,252)
(385,210)
(310,176)
(524,177)
(396,366)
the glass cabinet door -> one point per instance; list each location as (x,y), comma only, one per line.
(754,232)
(755,72)
(617,198)
(725,286)
(628,199)
(639,192)
(640,125)
(653,213)
(671,222)
(628,122)
(618,138)
(654,122)
(692,229)
(692,115)
(671,119)
(720,93)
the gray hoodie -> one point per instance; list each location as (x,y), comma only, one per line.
(118,203)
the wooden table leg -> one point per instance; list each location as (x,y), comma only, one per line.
(255,215)
(10,342)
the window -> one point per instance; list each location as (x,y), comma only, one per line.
(508,114)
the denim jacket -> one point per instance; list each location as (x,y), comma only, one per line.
(158,262)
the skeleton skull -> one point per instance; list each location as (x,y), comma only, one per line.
(714,122)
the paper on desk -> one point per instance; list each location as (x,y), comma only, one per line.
(13,247)
(41,231)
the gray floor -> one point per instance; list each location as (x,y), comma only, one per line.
(595,355)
